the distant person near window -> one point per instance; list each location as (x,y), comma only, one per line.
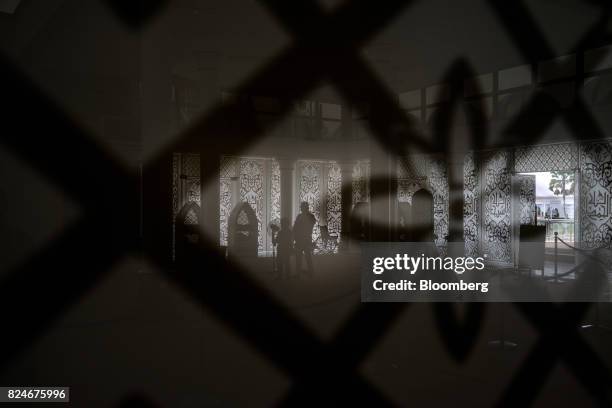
(302,233)
(284,242)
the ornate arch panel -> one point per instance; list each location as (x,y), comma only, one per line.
(275,193)
(527,199)
(438,181)
(320,184)
(423,171)
(309,189)
(497,195)
(185,180)
(334,199)
(252,186)
(546,158)
(596,193)
(471,205)
(185,186)
(361,182)
(259,185)
(229,169)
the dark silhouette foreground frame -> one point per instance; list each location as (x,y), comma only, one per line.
(43,287)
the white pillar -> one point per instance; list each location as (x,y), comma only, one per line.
(287,171)
(346,174)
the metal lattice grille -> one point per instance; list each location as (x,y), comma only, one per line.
(340,358)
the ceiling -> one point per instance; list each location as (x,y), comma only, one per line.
(236,37)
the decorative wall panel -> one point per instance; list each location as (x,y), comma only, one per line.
(252,191)
(406,189)
(191,218)
(438,181)
(191,165)
(229,169)
(320,184)
(527,185)
(193,191)
(412,175)
(309,189)
(546,158)
(275,193)
(176,162)
(225,209)
(259,185)
(414,167)
(497,194)
(595,193)
(361,182)
(185,187)
(334,200)
(471,205)
(185,180)
(422,171)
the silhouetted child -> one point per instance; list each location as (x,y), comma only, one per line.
(284,242)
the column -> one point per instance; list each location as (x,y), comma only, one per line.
(210,173)
(383,190)
(346,174)
(454,174)
(458,140)
(287,171)
(210,159)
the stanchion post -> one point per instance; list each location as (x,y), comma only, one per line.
(556,254)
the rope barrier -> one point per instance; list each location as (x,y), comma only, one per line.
(564,274)
(586,252)
(584,249)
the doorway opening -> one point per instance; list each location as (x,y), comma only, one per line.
(554,195)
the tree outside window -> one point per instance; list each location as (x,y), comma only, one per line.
(562,183)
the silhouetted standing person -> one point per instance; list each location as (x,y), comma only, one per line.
(284,242)
(302,232)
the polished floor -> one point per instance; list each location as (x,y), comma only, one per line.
(138,334)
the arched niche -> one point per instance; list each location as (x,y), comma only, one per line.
(419,217)
(243,230)
(187,231)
